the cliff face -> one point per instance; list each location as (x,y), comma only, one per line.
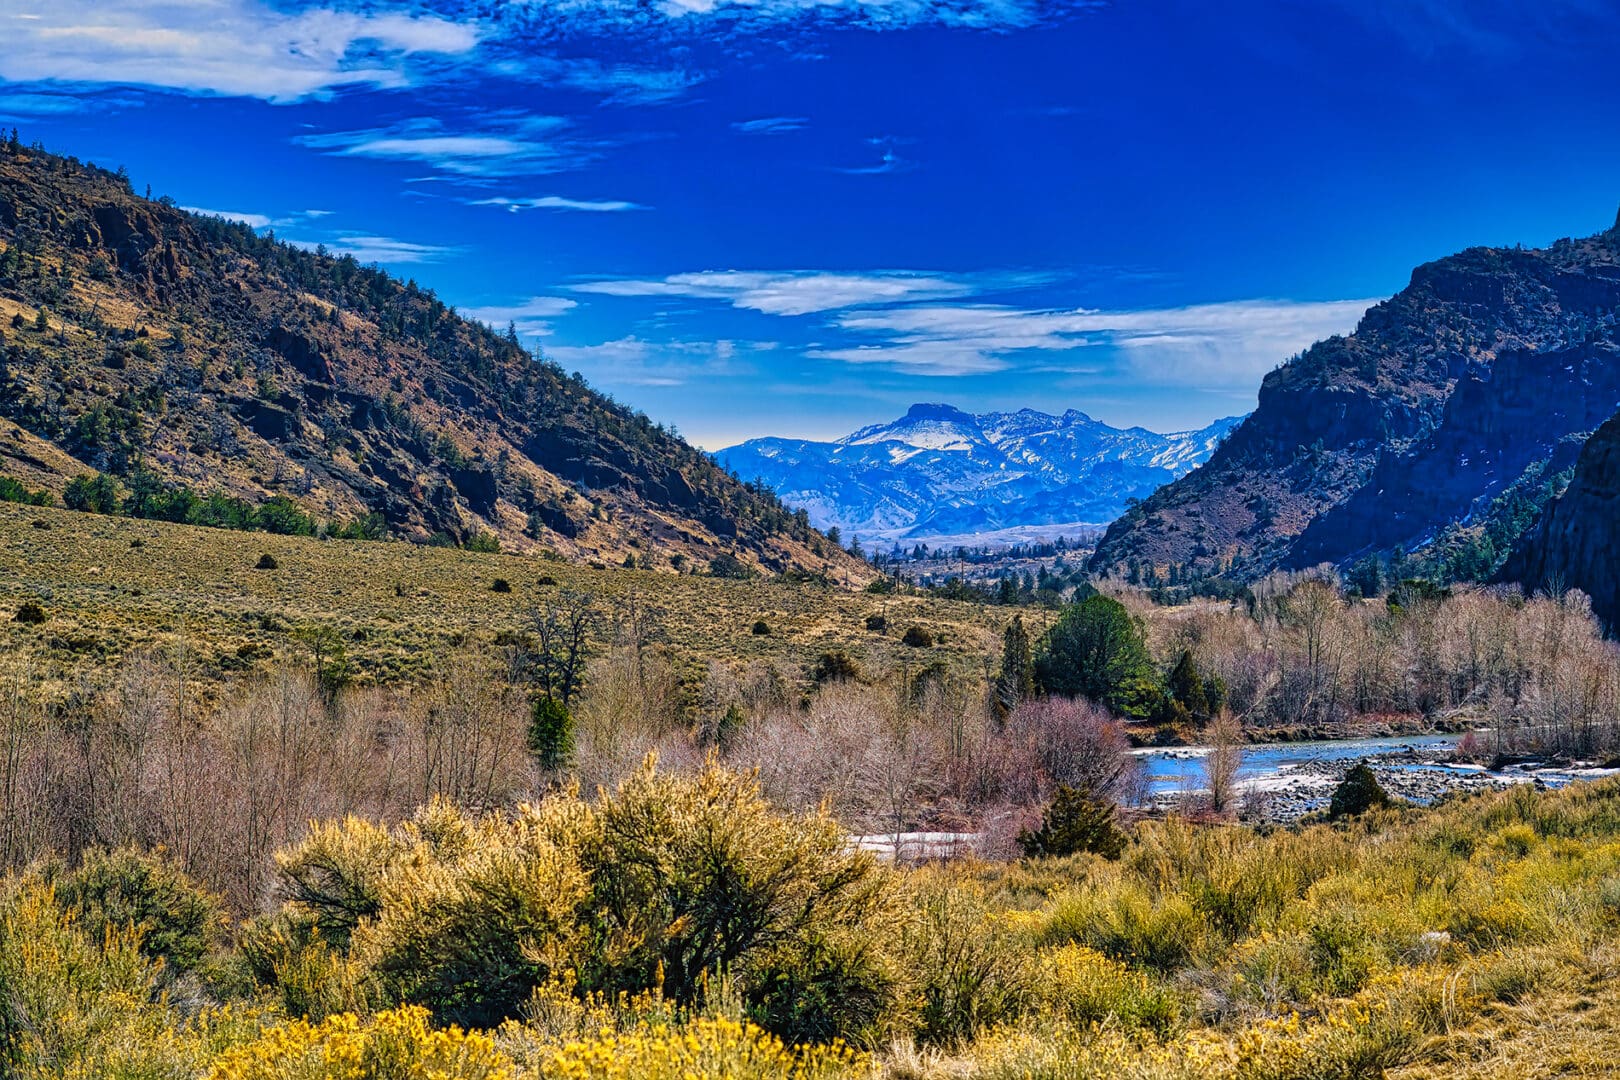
(1531,410)
(1487,363)
(140,340)
(1576,544)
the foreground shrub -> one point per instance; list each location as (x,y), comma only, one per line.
(662,886)
(398,1045)
(1356,1039)
(696,876)
(1076,822)
(699,1049)
(1357,793)
(1083,987)
(176,921)
(77,1004)
(1130,924)
(970,972)
(471,938)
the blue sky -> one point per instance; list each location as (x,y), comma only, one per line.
(799,216)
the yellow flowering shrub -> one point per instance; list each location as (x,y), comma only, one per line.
(1359,1037)
(1082,986)
(698,1050)
(74,1004)
(395,1045)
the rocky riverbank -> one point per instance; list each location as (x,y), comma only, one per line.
(1296,790)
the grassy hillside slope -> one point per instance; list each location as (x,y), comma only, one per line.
(173,350)
(110,586)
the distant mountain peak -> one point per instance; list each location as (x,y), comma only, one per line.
(938,411)
(939,471)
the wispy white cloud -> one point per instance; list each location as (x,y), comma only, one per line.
(889,159)
(292,50)
(532,317)
(558,202)
(872,14)
(771,125)
(232,47)
(634,361)
(252,221)
(42,101)
(378,249)
(1219,345)
(491,145)
(623,84)
(794,292)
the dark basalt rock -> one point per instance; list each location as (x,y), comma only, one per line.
(478,487)
(1577,542)
(1489,362)
(1529,408)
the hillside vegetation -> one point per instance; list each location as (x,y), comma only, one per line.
(189,357)
(677,927)
(1437,425)
(112,587)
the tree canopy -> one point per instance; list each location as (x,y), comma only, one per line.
(1096,649)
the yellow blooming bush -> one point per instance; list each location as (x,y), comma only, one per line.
(698,1050)
(79,1005)
(1083,987)
(397,1045)
(660,886)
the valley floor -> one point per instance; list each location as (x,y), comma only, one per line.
(111,587)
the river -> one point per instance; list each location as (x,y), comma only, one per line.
(1172,770)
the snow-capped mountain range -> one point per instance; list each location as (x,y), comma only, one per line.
(941,473)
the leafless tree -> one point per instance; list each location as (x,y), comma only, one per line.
(1222,763)
(562,630)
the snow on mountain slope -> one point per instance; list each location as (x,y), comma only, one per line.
(940,471)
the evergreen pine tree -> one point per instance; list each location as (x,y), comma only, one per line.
(551,733)
(1076,821)
(1186,686)
(1017,680)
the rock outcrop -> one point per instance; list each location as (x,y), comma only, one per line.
(1576,544)
(1490,365)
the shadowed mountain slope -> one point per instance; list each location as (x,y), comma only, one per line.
(169,349)
(1481,376)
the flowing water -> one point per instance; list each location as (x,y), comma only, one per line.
(1174,769)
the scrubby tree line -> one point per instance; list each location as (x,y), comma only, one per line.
(1304,652)
(149,498)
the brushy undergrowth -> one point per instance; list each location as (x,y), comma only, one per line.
(678,927)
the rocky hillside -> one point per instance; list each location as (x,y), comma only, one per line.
(1431,423)
(1575,542)
(169,350)
(941,472)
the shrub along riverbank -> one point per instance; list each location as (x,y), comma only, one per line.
(678,926)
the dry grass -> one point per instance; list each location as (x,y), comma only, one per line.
(114,586)
(1567,1030)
